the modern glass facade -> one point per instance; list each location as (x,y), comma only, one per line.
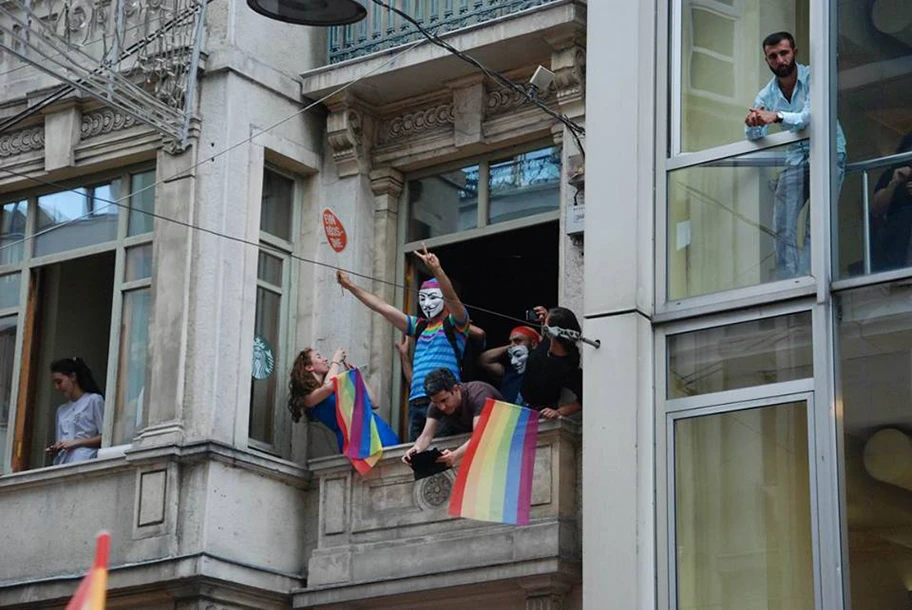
(784,233)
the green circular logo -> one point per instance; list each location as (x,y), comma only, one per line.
(263,358)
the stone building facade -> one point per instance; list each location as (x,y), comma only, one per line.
(213,498)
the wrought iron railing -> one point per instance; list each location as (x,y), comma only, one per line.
(383,29)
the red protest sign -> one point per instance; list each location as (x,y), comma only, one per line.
(335,232)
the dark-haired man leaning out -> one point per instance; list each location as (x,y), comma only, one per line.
(455,406)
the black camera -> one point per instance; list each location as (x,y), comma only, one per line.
(532,317)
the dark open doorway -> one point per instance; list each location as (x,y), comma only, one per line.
(73,318)
(506,273)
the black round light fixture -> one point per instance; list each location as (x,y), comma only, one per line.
(311,12)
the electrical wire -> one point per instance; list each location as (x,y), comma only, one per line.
(428,36)
(240,240)
(65,89)
(576,130)
(24,64)
(209,158)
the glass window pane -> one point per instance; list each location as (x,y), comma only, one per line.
(264,381)
(874,51)
(742,510)
(9,290)
(7,361)
(771,350)
(722,68)
(875,357)
(142,199)
(278,199)
(523,185)
(739,222)
(12,231)
(269,269)
(129,414)
(443,204)
(84,217)
(139,263)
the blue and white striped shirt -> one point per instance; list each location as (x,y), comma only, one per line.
(433,351)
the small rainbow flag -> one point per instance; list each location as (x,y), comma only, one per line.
(355,415)
(92,591)
(494,482)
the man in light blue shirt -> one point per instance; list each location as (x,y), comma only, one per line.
(786,99)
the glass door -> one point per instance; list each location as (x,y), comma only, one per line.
(741,521)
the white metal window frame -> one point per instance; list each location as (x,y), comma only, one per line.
(483,226)
(827,502)
(28,263)
(669,157)
(831,565)
(284,250)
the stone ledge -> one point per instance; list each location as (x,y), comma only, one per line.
(513,38)
(173,573)
(418,586)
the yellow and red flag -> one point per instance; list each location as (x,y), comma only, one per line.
(92,590)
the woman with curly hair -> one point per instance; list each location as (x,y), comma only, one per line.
(311,393)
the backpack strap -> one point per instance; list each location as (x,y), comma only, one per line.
(450,333)
(420,325)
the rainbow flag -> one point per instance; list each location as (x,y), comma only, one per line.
(92,590)
(356,419)
(494,482)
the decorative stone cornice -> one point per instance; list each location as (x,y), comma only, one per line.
(104,121)
(387,181)
(436,117)
(349,128)
(569,74)
(502,101)
(21,141)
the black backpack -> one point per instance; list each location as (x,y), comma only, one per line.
(468,364)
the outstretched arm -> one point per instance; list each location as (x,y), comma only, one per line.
(393,315)
(457,309)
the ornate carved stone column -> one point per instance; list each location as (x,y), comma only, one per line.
(386,185)
(568,62)
(349,128)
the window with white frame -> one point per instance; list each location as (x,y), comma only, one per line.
(735,202)
(75,280)
(272,306)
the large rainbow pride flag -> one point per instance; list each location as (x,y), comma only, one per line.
(92,591)
(494,482)
(364,433)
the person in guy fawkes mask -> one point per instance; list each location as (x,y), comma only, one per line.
(507,363)
(440,335)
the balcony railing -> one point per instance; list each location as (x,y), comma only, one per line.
(386,534)
(383,29)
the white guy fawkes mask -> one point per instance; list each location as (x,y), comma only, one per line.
(518,356)
(430,300)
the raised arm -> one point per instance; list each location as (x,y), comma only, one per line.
(457,309)
(490,360)
(393,315)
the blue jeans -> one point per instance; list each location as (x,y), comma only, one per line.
(792,191)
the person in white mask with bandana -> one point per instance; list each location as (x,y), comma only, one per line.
(440,335)
(507,363)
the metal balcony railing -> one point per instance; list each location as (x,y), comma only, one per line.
(383,29)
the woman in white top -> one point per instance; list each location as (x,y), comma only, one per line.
(81,419)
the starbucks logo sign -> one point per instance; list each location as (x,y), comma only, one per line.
(263,358)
